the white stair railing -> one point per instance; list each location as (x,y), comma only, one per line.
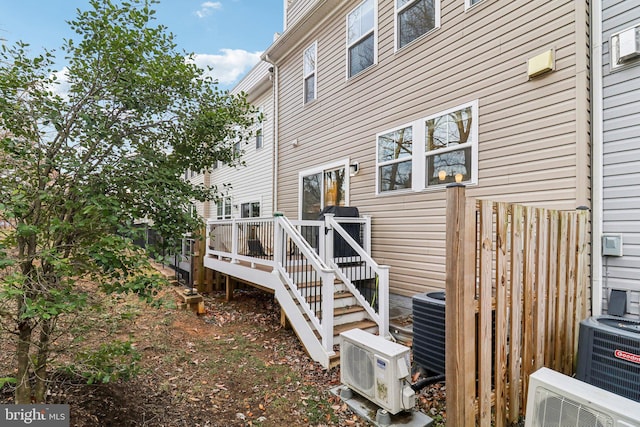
(358,267)
(310,279)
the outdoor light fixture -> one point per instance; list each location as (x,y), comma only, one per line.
(442,175)
(354,168)
(458,177)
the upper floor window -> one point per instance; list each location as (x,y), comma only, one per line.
(428,152)
(469,3)
(258,138)
(361,37)
(309,72)
(415,18)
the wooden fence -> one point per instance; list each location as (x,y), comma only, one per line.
(516,285)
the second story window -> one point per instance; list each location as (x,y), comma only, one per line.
(415,18)
(309,72)
(361,38)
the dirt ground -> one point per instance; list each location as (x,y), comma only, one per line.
(234,365)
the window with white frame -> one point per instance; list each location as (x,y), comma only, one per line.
(259,120)
(430,152)
(250,210)
(469,3)
(415,18)
(223,207)
(309,72)
(395,155)
(321,187)
(361,37)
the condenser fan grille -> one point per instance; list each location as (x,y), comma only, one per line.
(358,367)
(555,410)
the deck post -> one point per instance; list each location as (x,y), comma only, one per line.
(327,234)
(366,235)
(383,300)
(328,279)
(234,242)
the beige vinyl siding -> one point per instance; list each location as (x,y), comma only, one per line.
(532,144)
(296,10)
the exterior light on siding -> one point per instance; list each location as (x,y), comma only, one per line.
(354,168)
(541,63)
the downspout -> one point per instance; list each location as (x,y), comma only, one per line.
(275,133)
(596,160)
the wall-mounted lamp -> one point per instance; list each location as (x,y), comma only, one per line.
(354,168)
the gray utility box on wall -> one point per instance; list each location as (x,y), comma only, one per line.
(609,354)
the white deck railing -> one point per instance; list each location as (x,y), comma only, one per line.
(308,255)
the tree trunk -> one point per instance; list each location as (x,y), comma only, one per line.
(41,362)
(23,388)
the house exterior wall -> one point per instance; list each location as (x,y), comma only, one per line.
(253,181)
(621,157)
(533,134)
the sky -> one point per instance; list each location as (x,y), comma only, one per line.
(229,35)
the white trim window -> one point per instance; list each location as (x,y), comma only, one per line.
(429,152)
(309,73)
(223,207)
(414,18)
(395,159)
(327,185)
(451,145)
(259,129)
(250,210)
(470,3)
(361,38)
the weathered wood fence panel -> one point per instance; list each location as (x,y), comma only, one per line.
(516,283)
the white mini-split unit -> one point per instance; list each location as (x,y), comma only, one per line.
(556,400)
(377,369)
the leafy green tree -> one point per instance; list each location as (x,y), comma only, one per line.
(78,166)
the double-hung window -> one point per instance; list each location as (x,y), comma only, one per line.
(450,140)
(429,152)
(361,37)
(309,72)
(395,154)
(415,18)
(224,207)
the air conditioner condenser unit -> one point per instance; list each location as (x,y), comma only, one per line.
(557,400)
(377,369)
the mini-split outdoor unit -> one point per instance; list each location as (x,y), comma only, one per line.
(556,400)
(609,354)
(377,369)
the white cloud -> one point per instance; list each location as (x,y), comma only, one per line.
(63,86)
(207,8)
(229,66)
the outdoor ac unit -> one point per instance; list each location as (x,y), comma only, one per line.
(377,369)
(609,354)
(429,331)
(556,400)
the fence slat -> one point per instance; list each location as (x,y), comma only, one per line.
(583,273)
(484,313)
(572,283)
(539,320)
(528,295)
(500,366)
(552,289)
(515,310)
(561,338)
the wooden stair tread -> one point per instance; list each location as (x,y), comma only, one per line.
(336,295)
(361,324)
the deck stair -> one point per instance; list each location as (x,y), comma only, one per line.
(319,295)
